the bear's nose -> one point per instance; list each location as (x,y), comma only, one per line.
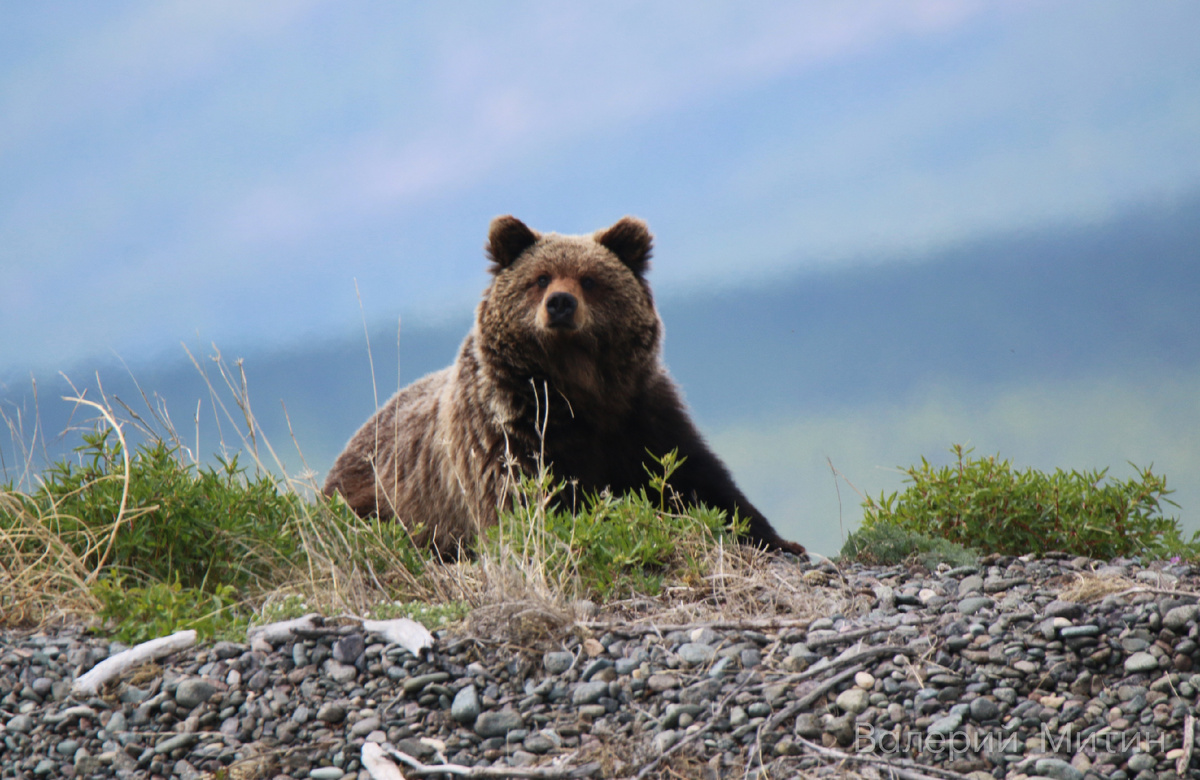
(560,307)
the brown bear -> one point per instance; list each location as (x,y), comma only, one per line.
(562,364)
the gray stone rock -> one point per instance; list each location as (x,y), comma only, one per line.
(331,712)
(498,724)
(1065,609)
(945,726)
(972,604)
(347,649)
(1057,768)
(971,584)
(465,708)
(589,693)
(21,724)
(694,654)
(1177,619)
(1140,662)
(984,709)
(665,740)
(168,744)
(365,726)
(193,692)
(557,662)
(1140,762)
(340,672)
(853,700)
(808,725)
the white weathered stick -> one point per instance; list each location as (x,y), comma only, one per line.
(532,773)
(1189,744)
(276,633)
(375,761)
(407,633)
(91,683)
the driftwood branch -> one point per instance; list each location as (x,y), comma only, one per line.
(901,768)
(376,762)
(417,769)
(1189,743)
(90,684)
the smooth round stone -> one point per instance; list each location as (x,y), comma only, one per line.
(364,727)
(1140,662)
(864,680)
(1140,762)
(1057,769)
(21,724)
(1177,619)
(665,740)
(694,654)
(1069,610)
(330,712)
(340,672)
(984,709)
(945,726)
(326,773)
(853,700)
(557,662)
(193,692)
(589,693)
(466,707)
(662,682)
(808,725)
(536,743)
(67,747)
(347,649)
(498,724)
(971,605)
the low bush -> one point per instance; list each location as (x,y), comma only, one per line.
(884,544)
(613,546)
(985,504)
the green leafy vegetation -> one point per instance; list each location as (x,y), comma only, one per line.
(885,544)
(613,546)
(985,504)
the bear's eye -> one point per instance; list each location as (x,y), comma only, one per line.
(543,281)
(587,283)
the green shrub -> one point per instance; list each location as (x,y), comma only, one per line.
(885,544)
(180,523)
(614,546)
(985,504)
(144,612)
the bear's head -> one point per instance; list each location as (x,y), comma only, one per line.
(576,310)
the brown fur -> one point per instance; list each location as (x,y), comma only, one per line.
(566,334)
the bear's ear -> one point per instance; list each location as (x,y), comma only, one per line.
(508,237)
(630,240)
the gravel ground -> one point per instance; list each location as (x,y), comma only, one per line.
(989,671)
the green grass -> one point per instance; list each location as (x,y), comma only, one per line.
(986,504)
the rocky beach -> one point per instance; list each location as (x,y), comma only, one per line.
(1049,666)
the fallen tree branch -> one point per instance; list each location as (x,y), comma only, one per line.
(712,719)
(375,761)
(1189,743)
(901,768)
(90,684)
(625,629)
(417,769)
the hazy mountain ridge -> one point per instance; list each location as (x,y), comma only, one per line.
(1115,298)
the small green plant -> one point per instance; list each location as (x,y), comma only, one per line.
(143,612)
(432,616)
(166,520)
(887,545)
(985,504)
(612,546)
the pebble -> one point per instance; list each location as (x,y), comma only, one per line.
(465,708)
(997,651)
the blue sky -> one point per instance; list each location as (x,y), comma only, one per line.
(229,170)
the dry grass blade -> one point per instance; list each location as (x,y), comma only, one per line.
(41,577)
(1092,587)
